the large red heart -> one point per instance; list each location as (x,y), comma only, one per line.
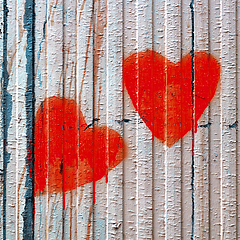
(161,91)
(68,153)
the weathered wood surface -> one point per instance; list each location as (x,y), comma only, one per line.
(77,50)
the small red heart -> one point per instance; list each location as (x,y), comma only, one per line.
(68,154)
(161,91)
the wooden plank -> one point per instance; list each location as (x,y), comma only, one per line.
(16,124)
(21,81)
(69,92)
(215,128)
(201,137)
(49,82)
(85,89)
(186,174)
(41,92)
(137,171)
(10,125)
(11,120)
(159,176)
(99,115)
(144,155)
(173,153)
(130,164)
(228,120)
(114,117)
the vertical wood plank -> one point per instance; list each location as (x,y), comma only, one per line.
(11,121)
(215,128)
(41,225)
(21,152)
(130,165)
(70,92)
(49,82)
(173,154)
(159,175)
(186,167)
(99,114)
(143,134)
(55,87)
(114,118)
(85,100)
(228,120)
(201,137)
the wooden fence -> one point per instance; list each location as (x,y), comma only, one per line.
(119,119)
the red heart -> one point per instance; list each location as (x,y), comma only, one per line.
(161,91)
(68,154)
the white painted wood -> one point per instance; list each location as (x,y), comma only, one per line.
(114,118)
(159,176)
(16,168)
(21,145)
(55,81)
(11,181)
(130,164)
(186,166)
(49,82)
(100,111)
(41,92)
(85,88)
(138,166)
(201,137)
(70,92)
(173,154)
(143,135)
(215,128)
(228,118)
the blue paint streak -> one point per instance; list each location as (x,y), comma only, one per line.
(28,214)
(193,121)
(6,113)
(40,45)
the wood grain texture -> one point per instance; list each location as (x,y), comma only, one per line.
(186,168)
(172,156)
(201,141)
(187,191)
(214,129)
(114,116)
(85,66)
(228,119)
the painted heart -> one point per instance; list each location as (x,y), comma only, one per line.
(68,153)
(161,91)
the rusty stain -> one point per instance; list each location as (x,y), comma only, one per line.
(86,59)
(81,195)
(51,12)
(98,41)
(89,222)
(81,10)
